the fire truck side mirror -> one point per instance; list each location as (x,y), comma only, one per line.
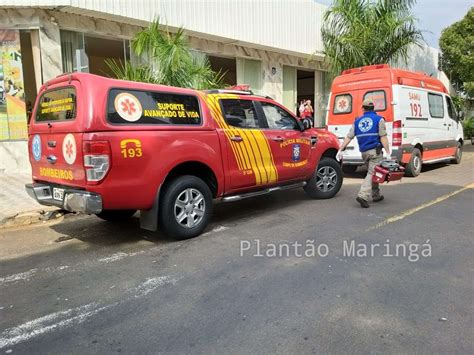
(307,124)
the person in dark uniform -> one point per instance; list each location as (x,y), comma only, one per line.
(371,135)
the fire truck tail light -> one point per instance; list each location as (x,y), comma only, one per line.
(96,160)
(397,134)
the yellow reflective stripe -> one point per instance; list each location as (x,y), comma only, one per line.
(267,156)
(261,139)
(240,154)
(264,171)
(252,149)
(240,147)
(254,152)
(217,115)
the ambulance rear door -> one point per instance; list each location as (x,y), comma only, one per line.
(343,109)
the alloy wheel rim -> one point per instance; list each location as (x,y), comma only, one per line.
(326,178)
(189,208)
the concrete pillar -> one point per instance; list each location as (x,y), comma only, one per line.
(321,93)
(273,80)
(265,76)
(289,88)
(36,50)
(50,42)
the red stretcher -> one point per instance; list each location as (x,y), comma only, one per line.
(387,171)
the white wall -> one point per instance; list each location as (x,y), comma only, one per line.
(289,25)
(424,59)
(14,157)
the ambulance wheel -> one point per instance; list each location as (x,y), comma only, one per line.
(186,207)
(115,215)
(326,180)
(413,168)
(349,169)
(458,156)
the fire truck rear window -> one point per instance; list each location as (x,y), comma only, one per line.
(151,107)
(57,105)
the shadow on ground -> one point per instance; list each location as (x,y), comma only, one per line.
(92,230)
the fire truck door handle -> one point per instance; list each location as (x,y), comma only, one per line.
(236,138)
(278,139)
(314,140)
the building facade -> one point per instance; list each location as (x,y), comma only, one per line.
(274,46)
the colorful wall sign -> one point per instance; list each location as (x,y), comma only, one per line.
(13,122)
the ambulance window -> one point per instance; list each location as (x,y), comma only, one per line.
(378,97)
(436,106)
(342,104)
(240,113)
(451,111)
(277,118)
(57,105)
(152,107)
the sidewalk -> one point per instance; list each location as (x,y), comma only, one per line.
(13,197)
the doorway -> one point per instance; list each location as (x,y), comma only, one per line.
(87,53)
(98,49)
(305,86)
(227,66)
(28,64)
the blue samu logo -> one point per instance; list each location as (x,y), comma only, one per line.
(366,124)
(36,147)
(296,152)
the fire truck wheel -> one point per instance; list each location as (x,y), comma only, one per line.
(116,215)
(413,168)
(186,207)
(326,180)
(458,156)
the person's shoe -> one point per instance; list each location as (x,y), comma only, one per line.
(378,198)
(363,203)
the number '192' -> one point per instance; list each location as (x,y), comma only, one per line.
(415,110)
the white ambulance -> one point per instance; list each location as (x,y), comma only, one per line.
(422,124)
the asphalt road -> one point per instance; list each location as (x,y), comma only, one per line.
(82,285)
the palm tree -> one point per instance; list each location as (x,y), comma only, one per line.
(170,61)
(363,32)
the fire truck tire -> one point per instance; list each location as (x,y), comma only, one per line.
(116,215)
(413,167)
(186,207)
(326,180)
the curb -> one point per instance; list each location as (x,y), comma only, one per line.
(27,218)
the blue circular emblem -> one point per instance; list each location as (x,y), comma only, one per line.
(366,124)
(36,147)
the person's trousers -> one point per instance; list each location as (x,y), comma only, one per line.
(368,188)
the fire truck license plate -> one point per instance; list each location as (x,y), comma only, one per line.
(58,194)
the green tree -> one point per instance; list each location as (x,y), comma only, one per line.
(364,32)
(170,61)
(457,45)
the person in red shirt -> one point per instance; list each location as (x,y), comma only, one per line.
(308,110)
